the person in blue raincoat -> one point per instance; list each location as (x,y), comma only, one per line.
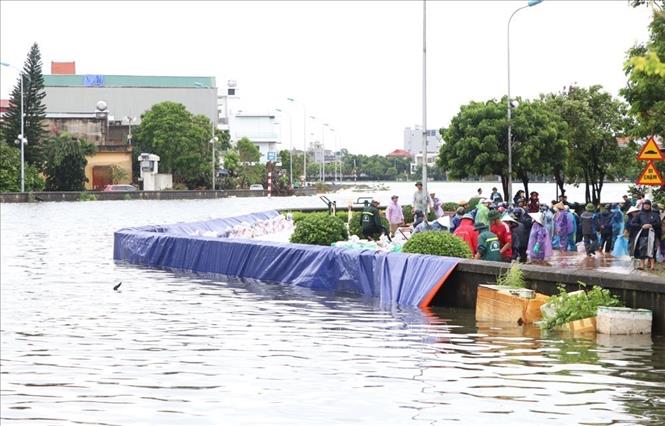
(572,229)
(620,244)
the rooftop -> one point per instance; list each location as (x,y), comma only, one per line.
(101,80)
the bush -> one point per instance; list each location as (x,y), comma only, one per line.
(473,202)
(513,277)
(437,243)
(571,308)
(86,196)
(407,211)
(319,230)
(449,206)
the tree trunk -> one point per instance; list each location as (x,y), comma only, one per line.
(560,181)
(504,185)
(587,194)
(525,181)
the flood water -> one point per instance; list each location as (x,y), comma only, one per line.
(179,349)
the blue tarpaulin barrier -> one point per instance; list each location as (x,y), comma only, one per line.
(394,278)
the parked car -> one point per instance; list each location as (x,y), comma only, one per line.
(256,187)
(120,188)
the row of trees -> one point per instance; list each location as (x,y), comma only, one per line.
(573,135)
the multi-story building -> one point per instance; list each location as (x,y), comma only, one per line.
(72,104)
(258,128)
(413,142)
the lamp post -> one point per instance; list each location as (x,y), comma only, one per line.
(323,151)
(291,145)
(304,139)
(21,137)
(314,136)
(334,154)
(509,107)
(130,120)
(424,130)
(213,138)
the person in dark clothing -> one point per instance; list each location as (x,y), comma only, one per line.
(626,204)
(648,236)
(520,238)
(588,230)
(370,220)
(418,216)
(519,196)
(632,230)
(605,228)
(534,203)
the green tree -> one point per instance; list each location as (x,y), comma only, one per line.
(65,162)
(10,171)
(645,69)
(476,142)
(539,144)
(181,140)
(232,162)
(248,152)
(33,109)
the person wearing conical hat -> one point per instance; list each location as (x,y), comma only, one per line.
(540,245)
(561,227)
(518,236)
(502,232)
(632,230)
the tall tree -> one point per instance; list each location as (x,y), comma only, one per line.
(182,142)
(645,69)
(33,109)
(65,162)
(10,171)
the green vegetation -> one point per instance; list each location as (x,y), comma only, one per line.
(513,278)
(578,306)
(86,196)
(319,230)
(10,171)
(437,243)
(65,162)
(33,109)
(182,141)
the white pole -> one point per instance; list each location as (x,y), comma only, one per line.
(424,130)
(212,141)
(22,139)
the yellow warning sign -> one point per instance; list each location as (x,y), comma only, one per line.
(650,151)
(650,176)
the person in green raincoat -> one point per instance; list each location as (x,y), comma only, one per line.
(482,211)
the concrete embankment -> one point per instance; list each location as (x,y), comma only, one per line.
(636,291)
(26,197)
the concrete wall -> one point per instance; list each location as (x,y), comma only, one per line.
(635,291)
(129,101)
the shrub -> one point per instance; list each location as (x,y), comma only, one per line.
(437,243)
(473,202)
(513,277)
(407,211)
(449,206)
(319,230)
(86,196)
(583,305)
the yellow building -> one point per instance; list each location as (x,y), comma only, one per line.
(112,163)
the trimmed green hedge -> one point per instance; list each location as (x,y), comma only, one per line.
(437,243)
(318,229)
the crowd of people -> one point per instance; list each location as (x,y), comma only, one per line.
(530,230)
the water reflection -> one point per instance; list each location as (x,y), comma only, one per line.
(178,348)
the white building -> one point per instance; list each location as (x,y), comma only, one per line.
(413,143)
(413,140)
(258,128)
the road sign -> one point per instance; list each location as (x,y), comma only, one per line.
(650,151)
(272,156)
(650,176)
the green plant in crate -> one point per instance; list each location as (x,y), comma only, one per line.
(320,230)
(437,243)
(577,306)
(514,277)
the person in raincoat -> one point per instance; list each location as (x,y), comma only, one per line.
(540,244)
(561,220)
(588,230)
(620,243)
(502,231)
(606,239)
(548,218)
(482,211)
(534,203)
(454,222)
(518,236)
(648,222)
(572,229)
(632,231)
(436,205)
(467,232)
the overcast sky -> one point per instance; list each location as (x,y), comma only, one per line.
(356,65)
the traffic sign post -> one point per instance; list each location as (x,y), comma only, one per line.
(650,175)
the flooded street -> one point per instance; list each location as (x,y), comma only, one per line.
(171,348)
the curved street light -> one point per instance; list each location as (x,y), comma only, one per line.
(509,195)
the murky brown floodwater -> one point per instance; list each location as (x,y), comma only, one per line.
(173,348)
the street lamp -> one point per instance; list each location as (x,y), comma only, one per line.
(304,139)
(334,155)
(213,138)
(21,137)
(510,146)
(323,149)
(130,120)
(291,145)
